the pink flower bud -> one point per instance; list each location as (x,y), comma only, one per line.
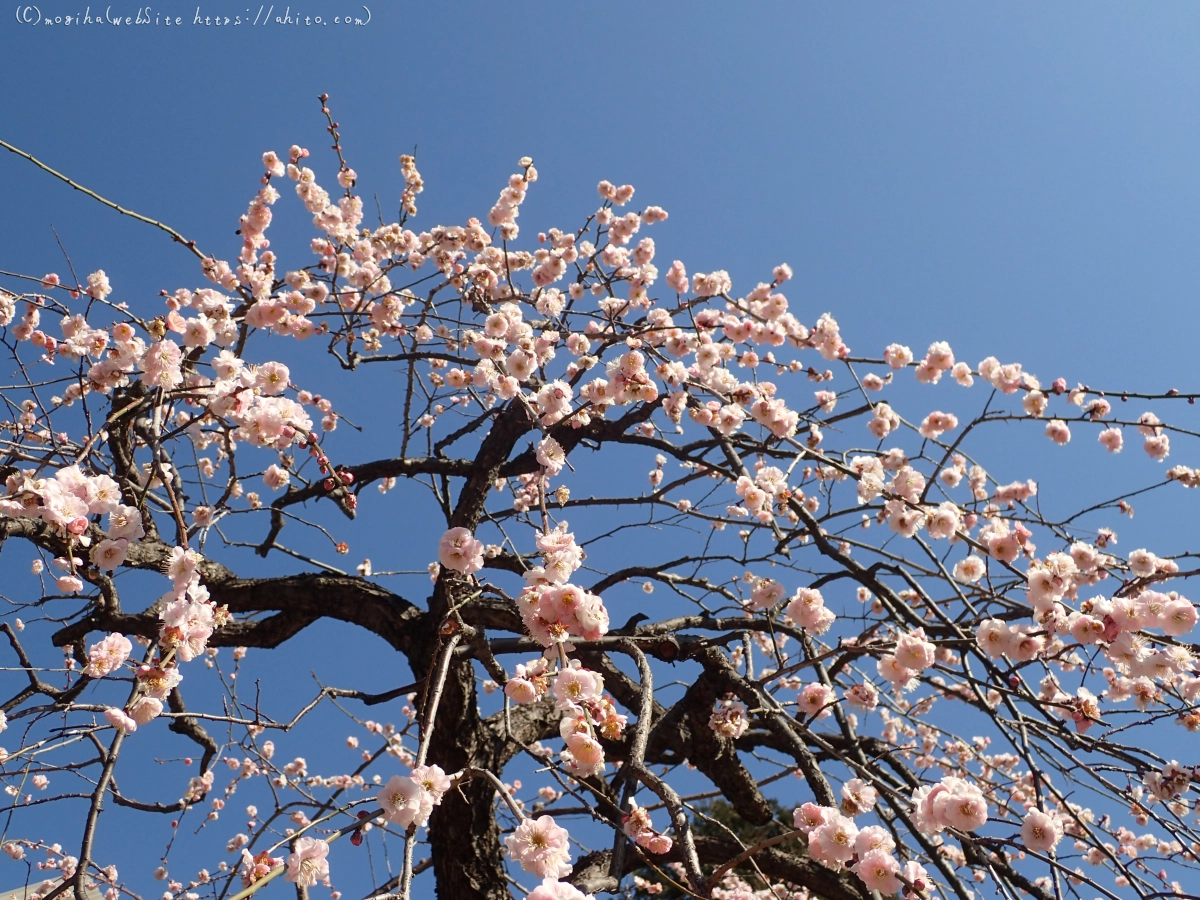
(659,843)
(69,584)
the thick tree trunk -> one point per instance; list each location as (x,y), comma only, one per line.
(464,836)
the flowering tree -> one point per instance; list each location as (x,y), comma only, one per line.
(950,690)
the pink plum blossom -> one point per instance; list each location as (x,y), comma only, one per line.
(1041,831)
(878,870)
(307,864)
(540,846)
(108,554)
(458,550)
(108,655)
(551,889)
(118,720)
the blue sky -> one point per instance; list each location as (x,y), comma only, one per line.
(1025,174)
(1019,179)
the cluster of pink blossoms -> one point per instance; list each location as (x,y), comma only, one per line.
(638,826)
(939,358)
(587,711)
(836,842)
(1116,626)
(511,358)
(1172,781)
(584,754)
(913,655)
(188,619)
(458,550)
(65,502)
(188,616)
(952,803)
(257,867)
(763,494)
(553,610)
(808,610)
(410,799)
(729,719)
(247,395)
(557,613)
(107,655)
(530,681)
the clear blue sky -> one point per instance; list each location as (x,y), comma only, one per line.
(1020,179)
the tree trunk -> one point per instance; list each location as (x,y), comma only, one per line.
(464,836)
